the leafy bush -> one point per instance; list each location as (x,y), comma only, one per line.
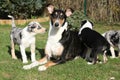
(75,19)
(21,8)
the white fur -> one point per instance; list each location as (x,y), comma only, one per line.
(86,25)
(34,64)
(112,52)
(89,63)
(52,46)
(28,40)
(55,34)
(26,67)
(42,68)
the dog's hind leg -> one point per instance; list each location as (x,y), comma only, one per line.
(105,57)
(87,56)
(13,50)
(48,64)
(51,63)
(93,57)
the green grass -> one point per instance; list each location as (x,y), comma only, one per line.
(72,70)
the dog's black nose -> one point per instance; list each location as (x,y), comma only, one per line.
(56,24)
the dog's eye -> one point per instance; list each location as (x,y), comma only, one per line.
(33,27)
(55,16)
(61,17)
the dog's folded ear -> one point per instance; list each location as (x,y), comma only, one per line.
(69,12)
(31,26)
(29,29)
(50,8)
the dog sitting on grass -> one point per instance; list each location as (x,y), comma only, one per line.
(63,44)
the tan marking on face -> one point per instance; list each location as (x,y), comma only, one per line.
(54,20)
(61,21)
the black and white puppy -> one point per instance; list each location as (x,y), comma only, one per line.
(93,40)
(113,37)
(24,38)
(62,44)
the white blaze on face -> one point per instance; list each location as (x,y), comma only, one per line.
(86,25)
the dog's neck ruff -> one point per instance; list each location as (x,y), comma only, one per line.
(55,34)
(86,25)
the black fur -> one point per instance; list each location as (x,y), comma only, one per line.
(58,15)
(115,38)
(73,47)
(84,21)
(95,41)
(17,36)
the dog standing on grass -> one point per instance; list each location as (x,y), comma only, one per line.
(94,41)
(113,37)
(24,38)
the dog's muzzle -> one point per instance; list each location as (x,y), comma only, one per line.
(56,24)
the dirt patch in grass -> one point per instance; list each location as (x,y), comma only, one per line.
(6,75)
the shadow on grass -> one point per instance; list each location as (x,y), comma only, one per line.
(18,53)
(28,53)
(41,51)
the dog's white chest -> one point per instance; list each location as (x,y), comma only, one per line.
(54,48)
(27,39)
(26,42)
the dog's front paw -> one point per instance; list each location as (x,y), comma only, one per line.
(36,63)
(90,63)
(14,57)
(112,57)
(42,68)
(26,67)
(25,62)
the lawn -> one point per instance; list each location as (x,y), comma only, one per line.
(72,70)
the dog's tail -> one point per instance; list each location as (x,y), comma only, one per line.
(13,21)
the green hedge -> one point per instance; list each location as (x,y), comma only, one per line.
(75,19)
(21,8)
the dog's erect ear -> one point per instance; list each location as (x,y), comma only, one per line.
(50,8)
(69,12)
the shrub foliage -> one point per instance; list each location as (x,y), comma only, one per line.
(21,8)
(75,19)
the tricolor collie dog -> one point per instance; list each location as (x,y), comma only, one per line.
(24,38)
(94,41)
(113,37)
(62,44)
